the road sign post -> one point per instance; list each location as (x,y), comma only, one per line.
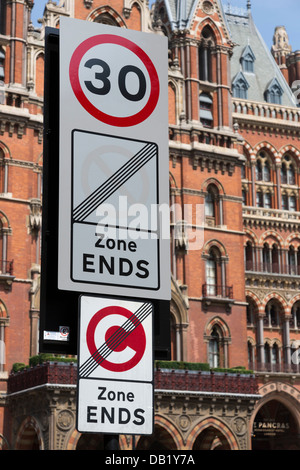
(113,231)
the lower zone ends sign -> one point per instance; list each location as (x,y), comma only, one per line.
(115,369)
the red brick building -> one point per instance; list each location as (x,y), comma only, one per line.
(234,158)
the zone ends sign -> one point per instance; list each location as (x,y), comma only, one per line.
(114,165)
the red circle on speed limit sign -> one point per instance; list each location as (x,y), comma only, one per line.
(101,85)
(118,338)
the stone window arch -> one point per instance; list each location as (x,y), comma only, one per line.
(263,167)
(207,44)
(273,314)
(217,337)
(288,170)
(213,206)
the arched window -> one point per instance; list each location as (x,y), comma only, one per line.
(263,169)
(291,175)
(173,338)
(2,58)
(214,348)
(288,202)
(283,173)
(295,320)
(4,320)
(249,256)
(275,354)
(266,171)
(258,171)
(294,260)
(272,314)
(212,206)
(287,171)
(267,202)
(270,259)
(251,311)
(2,172)
(251,355)
(272,356)
(214,281)
(267,354)
(244,197)
(212,272)
(205,54)
(210,203)
(266,252)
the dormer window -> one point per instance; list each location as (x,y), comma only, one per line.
(247,60)
(274,92)
(240,86)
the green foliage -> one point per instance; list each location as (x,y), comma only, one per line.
(41,359)
(17,366)
(46,357)
(181,365)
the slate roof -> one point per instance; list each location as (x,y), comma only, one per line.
(243,33)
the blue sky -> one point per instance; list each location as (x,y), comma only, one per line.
(267,15)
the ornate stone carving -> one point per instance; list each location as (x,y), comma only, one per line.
(65,420)
(207,7)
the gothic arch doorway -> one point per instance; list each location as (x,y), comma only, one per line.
(29,437)
(90,442)
(275,428)
(161,439)
(211,439)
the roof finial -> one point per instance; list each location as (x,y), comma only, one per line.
(248,5)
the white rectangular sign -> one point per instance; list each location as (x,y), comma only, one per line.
(113,187)
(115,366)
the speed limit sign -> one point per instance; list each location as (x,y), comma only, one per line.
(120,96)
(113,188)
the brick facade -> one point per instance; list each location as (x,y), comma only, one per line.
(234,295)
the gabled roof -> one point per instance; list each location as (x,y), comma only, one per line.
(181,12)
(245,35)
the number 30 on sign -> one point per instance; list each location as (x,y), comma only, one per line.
(121,96)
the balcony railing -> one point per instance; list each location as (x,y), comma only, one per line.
(275,215)
(62,374)
(221,291)
(266,111)
(273,268)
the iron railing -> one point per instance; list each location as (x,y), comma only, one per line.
(213,290)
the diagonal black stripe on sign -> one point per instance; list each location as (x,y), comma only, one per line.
(114,182)
(114,340)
